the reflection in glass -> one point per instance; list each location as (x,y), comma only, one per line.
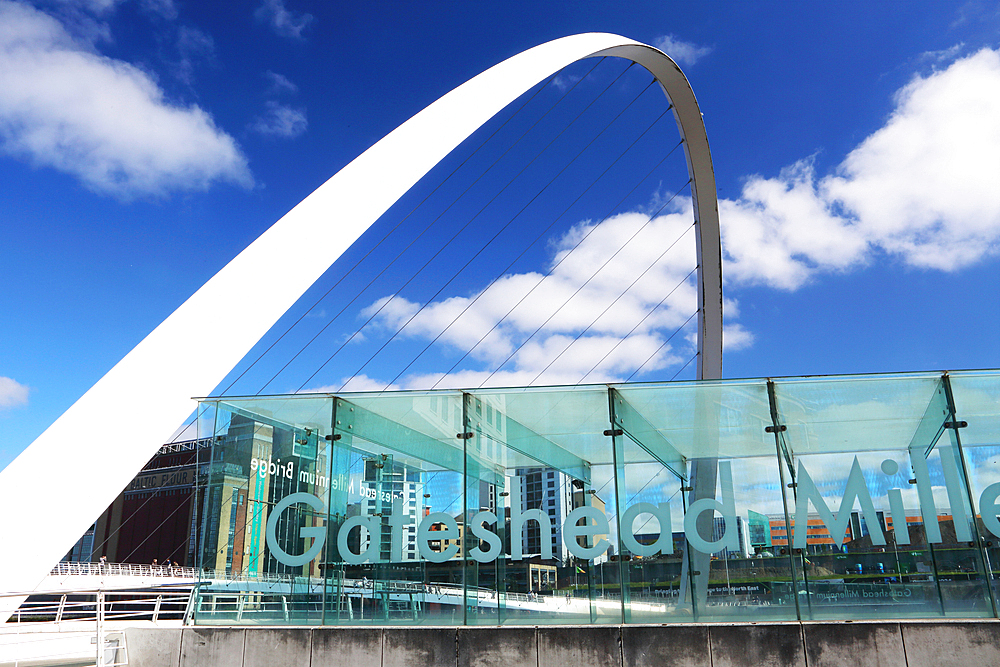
(803,498)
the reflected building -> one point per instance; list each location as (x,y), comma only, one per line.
(315,490)
(393,487)
(550,491)
(155,517)
(742,527)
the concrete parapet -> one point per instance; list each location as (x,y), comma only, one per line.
(954,643)
(419,647)
(580,645)
(218,647)
(512,646)
(854,644)
(266,647)
(748,645)
(816,644)
(660,645)
(154,647)
(351,647)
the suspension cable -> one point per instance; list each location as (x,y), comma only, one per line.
(639,323)
(617,298)
(585,283)
(502,273)
(493,238)
(657,350)
(389,233)
(426,228)
(454,236)
(556,265)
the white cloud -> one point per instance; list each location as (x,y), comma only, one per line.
(194,42)
(193,45)
(95,6)
(683,53)
(280,120)
(12,393)
(922,188)
(165,8)
(943,54)
(280,83)
(357,383)
(781,230)
(736,337)
(283,21)
(100,119)
(924,185)
(563,82)
(586,327)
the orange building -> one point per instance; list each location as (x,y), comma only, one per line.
(818,535)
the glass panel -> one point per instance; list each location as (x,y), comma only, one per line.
(264,514)
(810,498)
(878,500)
(549,451)
(400,551)
(730,476)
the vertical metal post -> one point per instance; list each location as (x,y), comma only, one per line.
(201,547)
(99,604)
(466,532)
(685,582)
(324,572)
(980,546)
(782,455)
(619,484)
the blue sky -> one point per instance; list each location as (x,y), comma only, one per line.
(143,144)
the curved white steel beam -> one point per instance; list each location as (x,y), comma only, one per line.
(53,491)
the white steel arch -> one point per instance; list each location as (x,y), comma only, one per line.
(76,468)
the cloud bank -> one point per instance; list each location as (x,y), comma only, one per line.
(921,190)
(283,21)
(12,393)
(683,53)
(280,120)
(102,120)
(540,317)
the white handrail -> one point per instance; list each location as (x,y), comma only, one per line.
(97,605)
(65,568)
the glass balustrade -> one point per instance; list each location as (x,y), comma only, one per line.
(861,497)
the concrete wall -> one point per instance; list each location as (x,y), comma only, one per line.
(848,644)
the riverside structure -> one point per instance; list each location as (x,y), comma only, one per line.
(414,507)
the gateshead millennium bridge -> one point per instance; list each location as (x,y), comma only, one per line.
(616,507)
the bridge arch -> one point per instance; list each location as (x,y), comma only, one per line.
(96,447)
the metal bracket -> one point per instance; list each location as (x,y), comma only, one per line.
(956,425)
(333,436)
(614,432)
(464,436)
(775,429)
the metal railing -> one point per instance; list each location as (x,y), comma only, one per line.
(65,627)
(180,572)
(124,569)
(169,603)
